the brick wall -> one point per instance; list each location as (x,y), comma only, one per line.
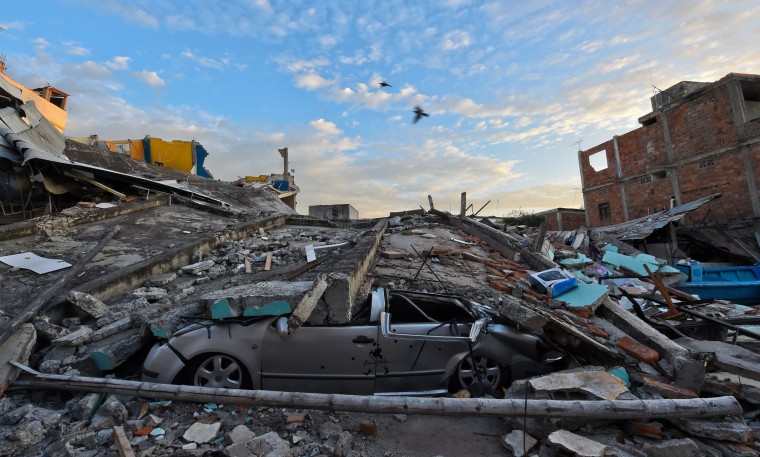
(571,219)
(707,159)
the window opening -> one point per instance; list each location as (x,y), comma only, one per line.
(604,211)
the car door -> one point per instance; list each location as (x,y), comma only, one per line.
(416,354)
(322,359)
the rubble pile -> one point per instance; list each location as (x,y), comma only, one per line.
(610,308)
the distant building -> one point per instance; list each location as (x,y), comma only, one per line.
(560,219)
(48,100)
(700,139)
(341,212)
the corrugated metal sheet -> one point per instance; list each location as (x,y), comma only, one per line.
(640,228)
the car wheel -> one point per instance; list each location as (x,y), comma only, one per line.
(217,370)
(482,372)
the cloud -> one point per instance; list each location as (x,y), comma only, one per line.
(312,81)
(208,62)
(40,43)
(150,78)
(72,48)
(455,39)
(118,63)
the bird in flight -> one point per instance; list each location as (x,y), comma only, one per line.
(384,84)
(418,114)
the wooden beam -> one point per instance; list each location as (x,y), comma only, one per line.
(7,329)
(443,406)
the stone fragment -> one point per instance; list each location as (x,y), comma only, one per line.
(87,303)
(241,434)
(268,444)
(150,293)
(729,428)
(343,444)
(518,442)
(391,255)
(48,330)
(197,268)
(76,338)
(598,384)
(672,448)
(732,449)
(579,445)
(113,328)
(329,429)
(161,280)
(111,412)
(201,433)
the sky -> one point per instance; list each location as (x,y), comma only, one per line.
(512,88)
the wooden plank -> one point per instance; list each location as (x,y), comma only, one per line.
(247,265)
(8,328)
(122,443)
(268,263)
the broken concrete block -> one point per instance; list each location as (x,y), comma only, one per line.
(730,428)
(579,445)
(112,351)
(638,350)
(391,255)
(241,434)
(724,383)
(150,293)
(18,348)
(267,444)
(598,384)
(87,303)
(197,268)
(732,449)
(75,338)
(257,294)
(729,357)
(113,328)
(48,330)
(521,315)
(161,280)
(673,448)
(111,412)
(201,433)
(518,442)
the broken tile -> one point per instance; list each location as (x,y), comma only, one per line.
(638,350)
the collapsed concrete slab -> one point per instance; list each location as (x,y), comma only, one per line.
(255,295)
(689,372)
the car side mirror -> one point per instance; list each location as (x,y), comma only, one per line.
(282,327)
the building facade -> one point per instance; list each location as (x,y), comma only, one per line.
(699,139)
(560,219)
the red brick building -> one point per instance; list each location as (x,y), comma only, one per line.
(699,139)
(560,219)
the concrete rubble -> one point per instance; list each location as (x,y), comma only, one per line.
(174,262)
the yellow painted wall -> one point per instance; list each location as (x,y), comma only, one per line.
(176,154)
(52,113)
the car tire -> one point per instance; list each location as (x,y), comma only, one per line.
(469,374)
(217,370)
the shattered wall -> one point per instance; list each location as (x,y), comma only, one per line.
(704,143)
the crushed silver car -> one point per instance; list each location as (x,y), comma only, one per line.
(401,343)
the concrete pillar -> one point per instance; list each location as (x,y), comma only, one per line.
(619,172)
(672,171)
(737,110)
(583,186)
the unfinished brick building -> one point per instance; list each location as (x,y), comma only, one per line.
(699,139)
